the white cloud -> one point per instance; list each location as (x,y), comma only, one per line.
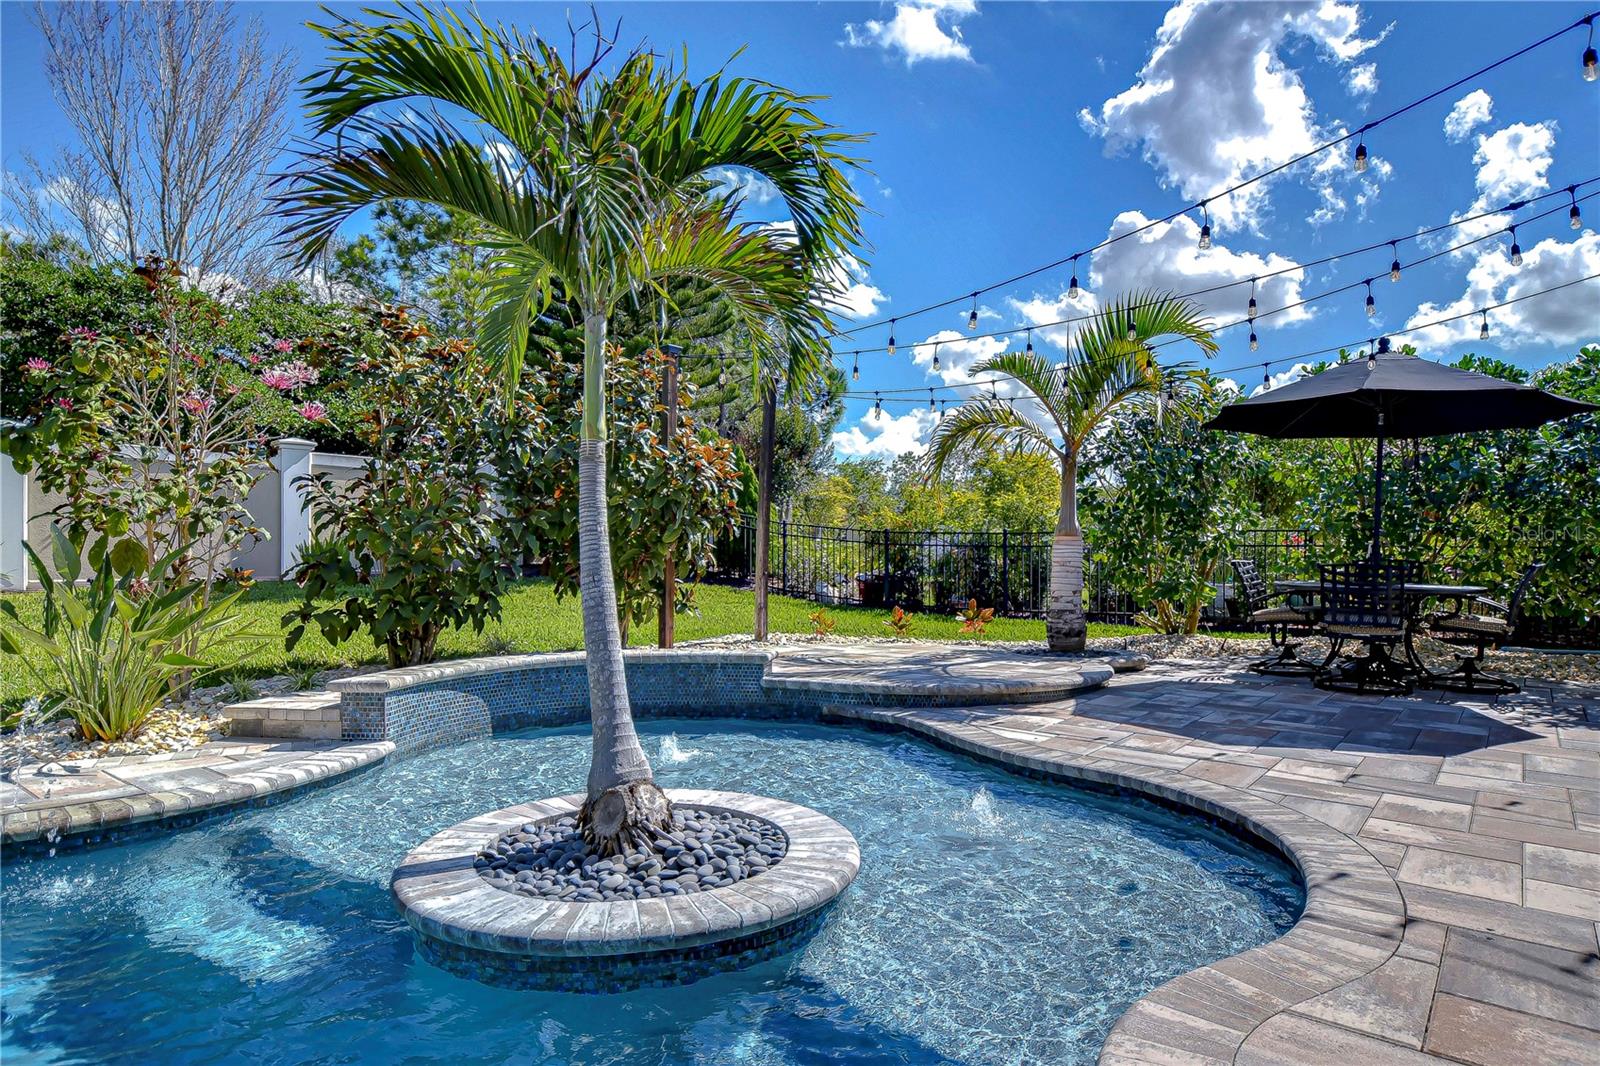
(957,354)
(850,293)
(1363,80)
(1471,111)
(845,288)
(885,435)
(746,186)
(1571,316)
(919,30)
(1166,258)
(1513,164)
(1215,101)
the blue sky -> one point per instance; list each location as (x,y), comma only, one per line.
(1009,135)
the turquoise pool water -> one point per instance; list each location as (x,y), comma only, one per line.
(996,920)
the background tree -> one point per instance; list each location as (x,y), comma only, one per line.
(422,256)
(597,183)
(1167,504)
(179,114)
(1112,363)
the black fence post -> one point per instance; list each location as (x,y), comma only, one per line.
(1005,571)
(783,534)
(888,569)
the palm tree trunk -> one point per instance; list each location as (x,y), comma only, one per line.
(624,807)
(1064,623)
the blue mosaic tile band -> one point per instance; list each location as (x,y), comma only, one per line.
(619,973)
(482,702)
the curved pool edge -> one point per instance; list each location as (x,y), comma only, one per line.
(1352,923)
(478,930)
(153,802)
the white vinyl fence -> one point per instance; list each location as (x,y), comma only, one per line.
(274,504)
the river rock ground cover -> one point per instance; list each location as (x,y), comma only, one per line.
(704,850)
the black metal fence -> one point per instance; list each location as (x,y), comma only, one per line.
(940,570)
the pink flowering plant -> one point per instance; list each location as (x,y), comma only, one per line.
(147,440)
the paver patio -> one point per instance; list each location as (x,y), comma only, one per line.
(1450,847)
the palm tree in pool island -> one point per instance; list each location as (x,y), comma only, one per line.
(593,176)
(1110,361)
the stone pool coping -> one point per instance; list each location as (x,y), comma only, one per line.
(94,801)
(441,894)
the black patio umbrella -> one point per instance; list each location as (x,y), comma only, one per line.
(1389,395)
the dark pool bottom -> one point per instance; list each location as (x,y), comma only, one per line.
(996,919)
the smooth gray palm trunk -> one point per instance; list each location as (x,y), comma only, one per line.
(624,808)
(1066,628)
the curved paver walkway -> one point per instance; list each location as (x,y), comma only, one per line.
(1450,847)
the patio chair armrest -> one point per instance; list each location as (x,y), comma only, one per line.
(1493,605)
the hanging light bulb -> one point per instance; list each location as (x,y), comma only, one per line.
(1574,216)
(1394,267)
(1591,61)
(878,407)
(1516,249)
(1133,330)
(1255,345)
(1073,292)
(1251,313)
(931,404)
(1205,228)
(891,336)
(1483,330)
(972,319)
(855,366)
(1372,305)
(722,378)
(936,357)
(1029,350)
(1266,378)
(1372,357)
(1361,157)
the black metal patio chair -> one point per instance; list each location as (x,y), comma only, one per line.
(1366,602)
(1488,624)
(1286,624)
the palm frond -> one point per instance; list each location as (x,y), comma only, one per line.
(983,425)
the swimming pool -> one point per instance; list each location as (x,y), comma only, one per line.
(996,920)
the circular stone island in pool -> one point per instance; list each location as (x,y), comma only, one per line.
(474,919)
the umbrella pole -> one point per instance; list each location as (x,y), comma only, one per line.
(1377,499)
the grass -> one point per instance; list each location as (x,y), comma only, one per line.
(532,619)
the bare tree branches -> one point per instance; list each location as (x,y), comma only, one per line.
(179,115)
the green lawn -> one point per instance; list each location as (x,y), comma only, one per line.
(534,620)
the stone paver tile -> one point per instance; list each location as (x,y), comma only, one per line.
(1561,865)
(1556,813)
(1414,769)
(1225,773)
(1390,1002)
(1314,769)
(1485,1035)
(1533,978)
(1423,941)
(1468,874)
(1419,811)
(1504,919)
(1580,902)
(1345,817)
(1534,832)
(1295,1038)
(58,782)
(1441,839)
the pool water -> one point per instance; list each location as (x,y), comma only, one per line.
(996,920)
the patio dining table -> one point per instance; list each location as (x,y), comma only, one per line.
(1416,592)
